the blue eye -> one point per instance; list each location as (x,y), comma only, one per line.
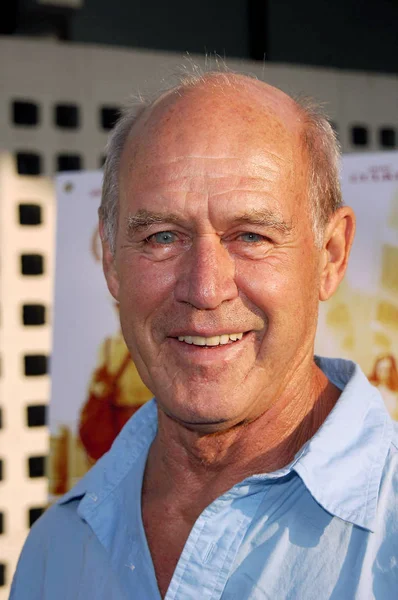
(252,237)
(164,237)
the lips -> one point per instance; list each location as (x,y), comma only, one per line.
(208,351)
(214,340)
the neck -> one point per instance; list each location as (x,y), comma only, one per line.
(185,463)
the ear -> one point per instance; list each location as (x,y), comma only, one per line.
(109,265)
(338,238)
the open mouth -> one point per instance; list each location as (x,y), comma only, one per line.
(213,341)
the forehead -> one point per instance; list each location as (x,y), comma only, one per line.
(243,131)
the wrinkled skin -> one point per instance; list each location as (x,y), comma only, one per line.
(209,162)
(213,238)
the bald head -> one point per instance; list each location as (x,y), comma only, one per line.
(223,90)
(234,111)
(211,118)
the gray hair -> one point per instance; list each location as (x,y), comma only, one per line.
(319,140)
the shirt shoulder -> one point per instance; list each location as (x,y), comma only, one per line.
(42,546)
(63,539)
(386,523)
(390,471)
(63,558)
(394,439)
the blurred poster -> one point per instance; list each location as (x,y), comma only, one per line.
(361,321)
(95,385)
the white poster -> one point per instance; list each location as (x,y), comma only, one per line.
(360,321)
(95,386)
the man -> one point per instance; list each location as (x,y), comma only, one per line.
(259,472)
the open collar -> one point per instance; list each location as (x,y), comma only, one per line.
(341,465)
(108,472)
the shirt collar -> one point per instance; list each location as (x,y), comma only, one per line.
(134,439)
(341,465)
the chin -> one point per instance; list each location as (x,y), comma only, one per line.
(211,415)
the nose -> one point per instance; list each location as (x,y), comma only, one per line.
(207,277)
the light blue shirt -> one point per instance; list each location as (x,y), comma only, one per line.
(324,527)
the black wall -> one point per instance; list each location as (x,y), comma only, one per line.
(179,25)
(349,34)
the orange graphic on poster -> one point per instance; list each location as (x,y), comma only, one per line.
(115,393)
(385,377)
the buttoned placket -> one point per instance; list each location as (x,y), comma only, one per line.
(209,553)
(207,559)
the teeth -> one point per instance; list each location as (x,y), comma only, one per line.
(215,340)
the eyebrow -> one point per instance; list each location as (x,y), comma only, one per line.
(143,219)
(265,218)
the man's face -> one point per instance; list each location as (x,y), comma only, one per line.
(216,270)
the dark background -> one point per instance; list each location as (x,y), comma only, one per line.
(348,34)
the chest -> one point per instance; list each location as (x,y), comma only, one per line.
(256,546)
(264,561)
(166,535)
(250,547)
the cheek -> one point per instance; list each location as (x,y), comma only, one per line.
(283,289)
(144,286)
(264,282)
